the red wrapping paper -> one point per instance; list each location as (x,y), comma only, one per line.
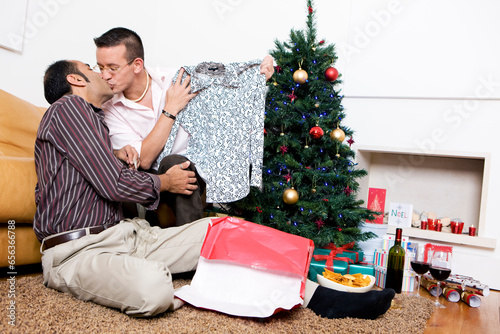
(257,246)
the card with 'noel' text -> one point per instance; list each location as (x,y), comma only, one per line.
(400,214)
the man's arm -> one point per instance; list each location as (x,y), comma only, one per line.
(80,136)
(177,97)
(175,180)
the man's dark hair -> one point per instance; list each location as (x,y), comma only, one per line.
(118,36)
(55,84)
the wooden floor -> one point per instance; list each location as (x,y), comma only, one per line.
(456,318)
(459,318)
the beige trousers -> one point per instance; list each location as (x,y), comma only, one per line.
(127,266)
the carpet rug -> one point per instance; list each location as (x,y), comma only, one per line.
(42,310)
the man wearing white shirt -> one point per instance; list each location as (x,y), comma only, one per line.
(144,108)
(142,112)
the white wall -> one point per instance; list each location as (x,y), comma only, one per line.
(410,68)
(425,76)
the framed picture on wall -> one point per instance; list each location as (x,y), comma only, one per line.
(12,23)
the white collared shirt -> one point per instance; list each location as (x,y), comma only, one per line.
(130,123)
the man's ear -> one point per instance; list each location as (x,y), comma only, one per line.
(138,65)
(76,80)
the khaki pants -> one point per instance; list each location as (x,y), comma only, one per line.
(127,266)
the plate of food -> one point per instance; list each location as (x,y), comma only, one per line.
(347,282)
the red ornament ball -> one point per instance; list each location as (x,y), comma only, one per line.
(316,132)
(331,74)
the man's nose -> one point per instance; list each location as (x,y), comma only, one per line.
(105,75)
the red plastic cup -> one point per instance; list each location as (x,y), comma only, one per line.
(431,224)
(454,227)
(439,226)
(423,224)
(460,227)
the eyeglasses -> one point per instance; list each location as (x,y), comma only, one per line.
(110,69)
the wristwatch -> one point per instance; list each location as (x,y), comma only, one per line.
(169,115)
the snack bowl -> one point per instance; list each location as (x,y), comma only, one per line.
(323,281)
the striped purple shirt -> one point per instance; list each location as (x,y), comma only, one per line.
(80,181)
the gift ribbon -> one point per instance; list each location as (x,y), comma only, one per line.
(331,245)
(345,248)
(357,254)
(330,257)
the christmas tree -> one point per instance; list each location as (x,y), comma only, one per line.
(309,177)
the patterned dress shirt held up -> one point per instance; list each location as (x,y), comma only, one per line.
(225,122)
(80,181)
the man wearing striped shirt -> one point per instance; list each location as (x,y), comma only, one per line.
(88,250)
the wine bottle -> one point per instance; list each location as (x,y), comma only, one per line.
(395,264)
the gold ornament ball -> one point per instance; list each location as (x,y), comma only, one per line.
(313,190)
(290,196)
(337,134)
(300,76)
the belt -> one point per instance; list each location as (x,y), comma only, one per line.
(75,234)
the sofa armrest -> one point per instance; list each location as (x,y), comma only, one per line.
(17,181)
(19,122)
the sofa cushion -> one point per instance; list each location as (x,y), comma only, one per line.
(19,122)
(26,243)
(17,180)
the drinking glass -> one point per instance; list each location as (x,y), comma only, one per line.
(463,284)
(420,264)
(440,269)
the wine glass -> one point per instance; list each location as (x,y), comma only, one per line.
(463,284)
(420,264)
(440,269)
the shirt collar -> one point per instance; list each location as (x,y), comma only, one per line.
(207,73)
(99,113)
(120,98)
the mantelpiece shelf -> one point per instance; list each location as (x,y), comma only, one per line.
(461,239)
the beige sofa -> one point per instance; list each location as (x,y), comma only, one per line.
(19,121)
